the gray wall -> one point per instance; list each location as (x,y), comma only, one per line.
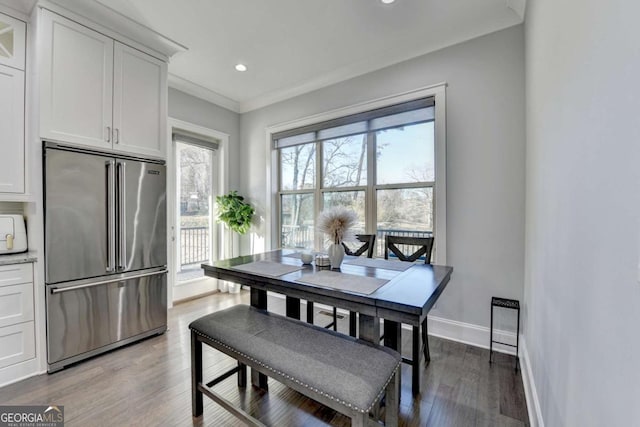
(583,210)
(200,112)
(485,159)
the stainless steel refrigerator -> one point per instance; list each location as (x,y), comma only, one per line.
(105,251)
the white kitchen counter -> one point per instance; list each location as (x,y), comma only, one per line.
(22,258)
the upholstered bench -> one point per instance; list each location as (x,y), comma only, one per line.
(343,373)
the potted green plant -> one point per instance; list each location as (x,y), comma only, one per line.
(236,214)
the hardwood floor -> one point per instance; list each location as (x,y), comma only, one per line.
(148,384)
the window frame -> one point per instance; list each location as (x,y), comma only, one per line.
(274,226)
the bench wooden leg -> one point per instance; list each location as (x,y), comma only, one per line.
(392,403)
(369,328)
(242,375)
(360,420)
(259,300)
(196,375)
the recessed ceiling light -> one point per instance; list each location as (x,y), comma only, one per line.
(388,1)
(241,67)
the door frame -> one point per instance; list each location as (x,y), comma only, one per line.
(222,179)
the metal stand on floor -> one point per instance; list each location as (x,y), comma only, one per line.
(514,305)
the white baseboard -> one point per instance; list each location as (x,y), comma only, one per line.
(19,371)
(194,288)
(468,333)
(530,391)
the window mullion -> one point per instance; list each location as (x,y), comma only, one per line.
(370,195)
(318,203)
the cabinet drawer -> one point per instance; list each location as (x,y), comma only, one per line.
(17,343)
(16,304)
(15,274)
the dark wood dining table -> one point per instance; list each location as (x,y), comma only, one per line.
(406,298)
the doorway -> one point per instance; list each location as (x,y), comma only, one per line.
(198,162)
(196,195)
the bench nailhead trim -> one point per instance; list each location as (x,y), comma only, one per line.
(315,390)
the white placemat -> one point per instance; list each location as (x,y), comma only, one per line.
(380,263)
(268,268)
(344,282)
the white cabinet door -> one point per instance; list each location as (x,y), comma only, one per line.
(139,102)
(17,343)
(13,34)
(76,83)
(12,165)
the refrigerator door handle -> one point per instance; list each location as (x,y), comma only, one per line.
(122,214)
(111,216)
(57,290)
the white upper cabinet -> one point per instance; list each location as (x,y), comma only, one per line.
(13,33)
(12,95)
(76,83)
(139,101)
(12,167)
(99,92)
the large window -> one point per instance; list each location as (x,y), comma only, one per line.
(380,163)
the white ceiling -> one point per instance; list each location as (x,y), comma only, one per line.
(295,46)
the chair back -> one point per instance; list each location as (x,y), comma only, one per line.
(368,246)
(425,245)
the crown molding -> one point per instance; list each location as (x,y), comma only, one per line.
(19,9)
(193,89)
(518,6)
(360,68)
(114,24)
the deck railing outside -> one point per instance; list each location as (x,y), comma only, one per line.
(194,245)
(303,237)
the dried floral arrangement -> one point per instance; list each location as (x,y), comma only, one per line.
(336,223)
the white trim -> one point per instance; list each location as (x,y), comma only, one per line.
(195,288)
(222,180)
(452,330)
(468,333)
(22,15)
(530,391)
(111,23)
(365,66)
(438,91)
(519,7)
(19,371)
(193,89)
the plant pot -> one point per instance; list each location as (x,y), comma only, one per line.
(336,255)
(223,286)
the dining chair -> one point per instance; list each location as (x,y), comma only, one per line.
(412,249)
(368,245)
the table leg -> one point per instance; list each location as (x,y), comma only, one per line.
(310,312)
(416,366)
(293,307)
(259,300)
(393,339)
(369,328)
(353,322)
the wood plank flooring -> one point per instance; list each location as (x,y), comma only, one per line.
(148,384)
